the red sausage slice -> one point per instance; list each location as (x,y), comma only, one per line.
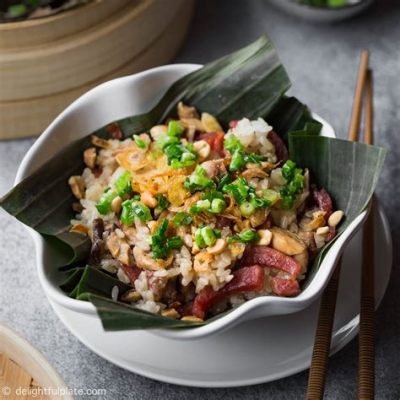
(215,140)
(285,287)
(269,257)
(247,279)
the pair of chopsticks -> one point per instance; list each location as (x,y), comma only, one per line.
(322,343)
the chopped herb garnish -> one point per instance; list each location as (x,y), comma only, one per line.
(213,202)
(123,184)
(182,218)
(140,142)
(162,202)
(238,161)
(246,236)
(225,180)
(232,143)
(132,209)
(160,244)
(104,204)
(206,236)
(199,180)
(175,128)
(239,157)
(294,183)
(239,189)
(247,208)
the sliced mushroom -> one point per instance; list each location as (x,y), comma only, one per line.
(185,111)
(214,168)
(89,157)
(317,220)
(258,217)
(210,123)
(286,242)
(145,261)
(119,248)
(77,186)
(193,123)
(254,171)
(99,142)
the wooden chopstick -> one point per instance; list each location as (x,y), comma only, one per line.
(366,340)
(323,335)
(355,119)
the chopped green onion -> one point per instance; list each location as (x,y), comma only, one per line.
(182,218)
(295,183)
(104,204)
(188,156)
(288,170)
(225,180)
(139,141)
(175,128)
(198,180)
(165,140)
(247,209)
(246,236)
(123,184)
(217,205)
(238,161)
(160,244)
(271,196)
(198,238)
(232,143)
(254,158)
(206,236)
(174,243)
(287,201)
(134,209)
(239,189)
(162,202)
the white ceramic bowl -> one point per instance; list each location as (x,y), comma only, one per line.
(120,98)
(322,14)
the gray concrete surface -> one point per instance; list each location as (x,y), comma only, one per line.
(322,61)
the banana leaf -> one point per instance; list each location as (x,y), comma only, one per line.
(250,82)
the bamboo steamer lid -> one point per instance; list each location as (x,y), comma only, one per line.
(139,35)
(24,370)
(17,35)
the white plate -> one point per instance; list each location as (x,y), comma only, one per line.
(253,352)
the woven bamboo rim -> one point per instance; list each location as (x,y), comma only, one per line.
(23,368)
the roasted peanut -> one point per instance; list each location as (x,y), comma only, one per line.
(335,218)
(170,313)
(116,204)
(265,237)
(148,199)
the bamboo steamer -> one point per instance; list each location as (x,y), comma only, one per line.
(25,373)
(38,81)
